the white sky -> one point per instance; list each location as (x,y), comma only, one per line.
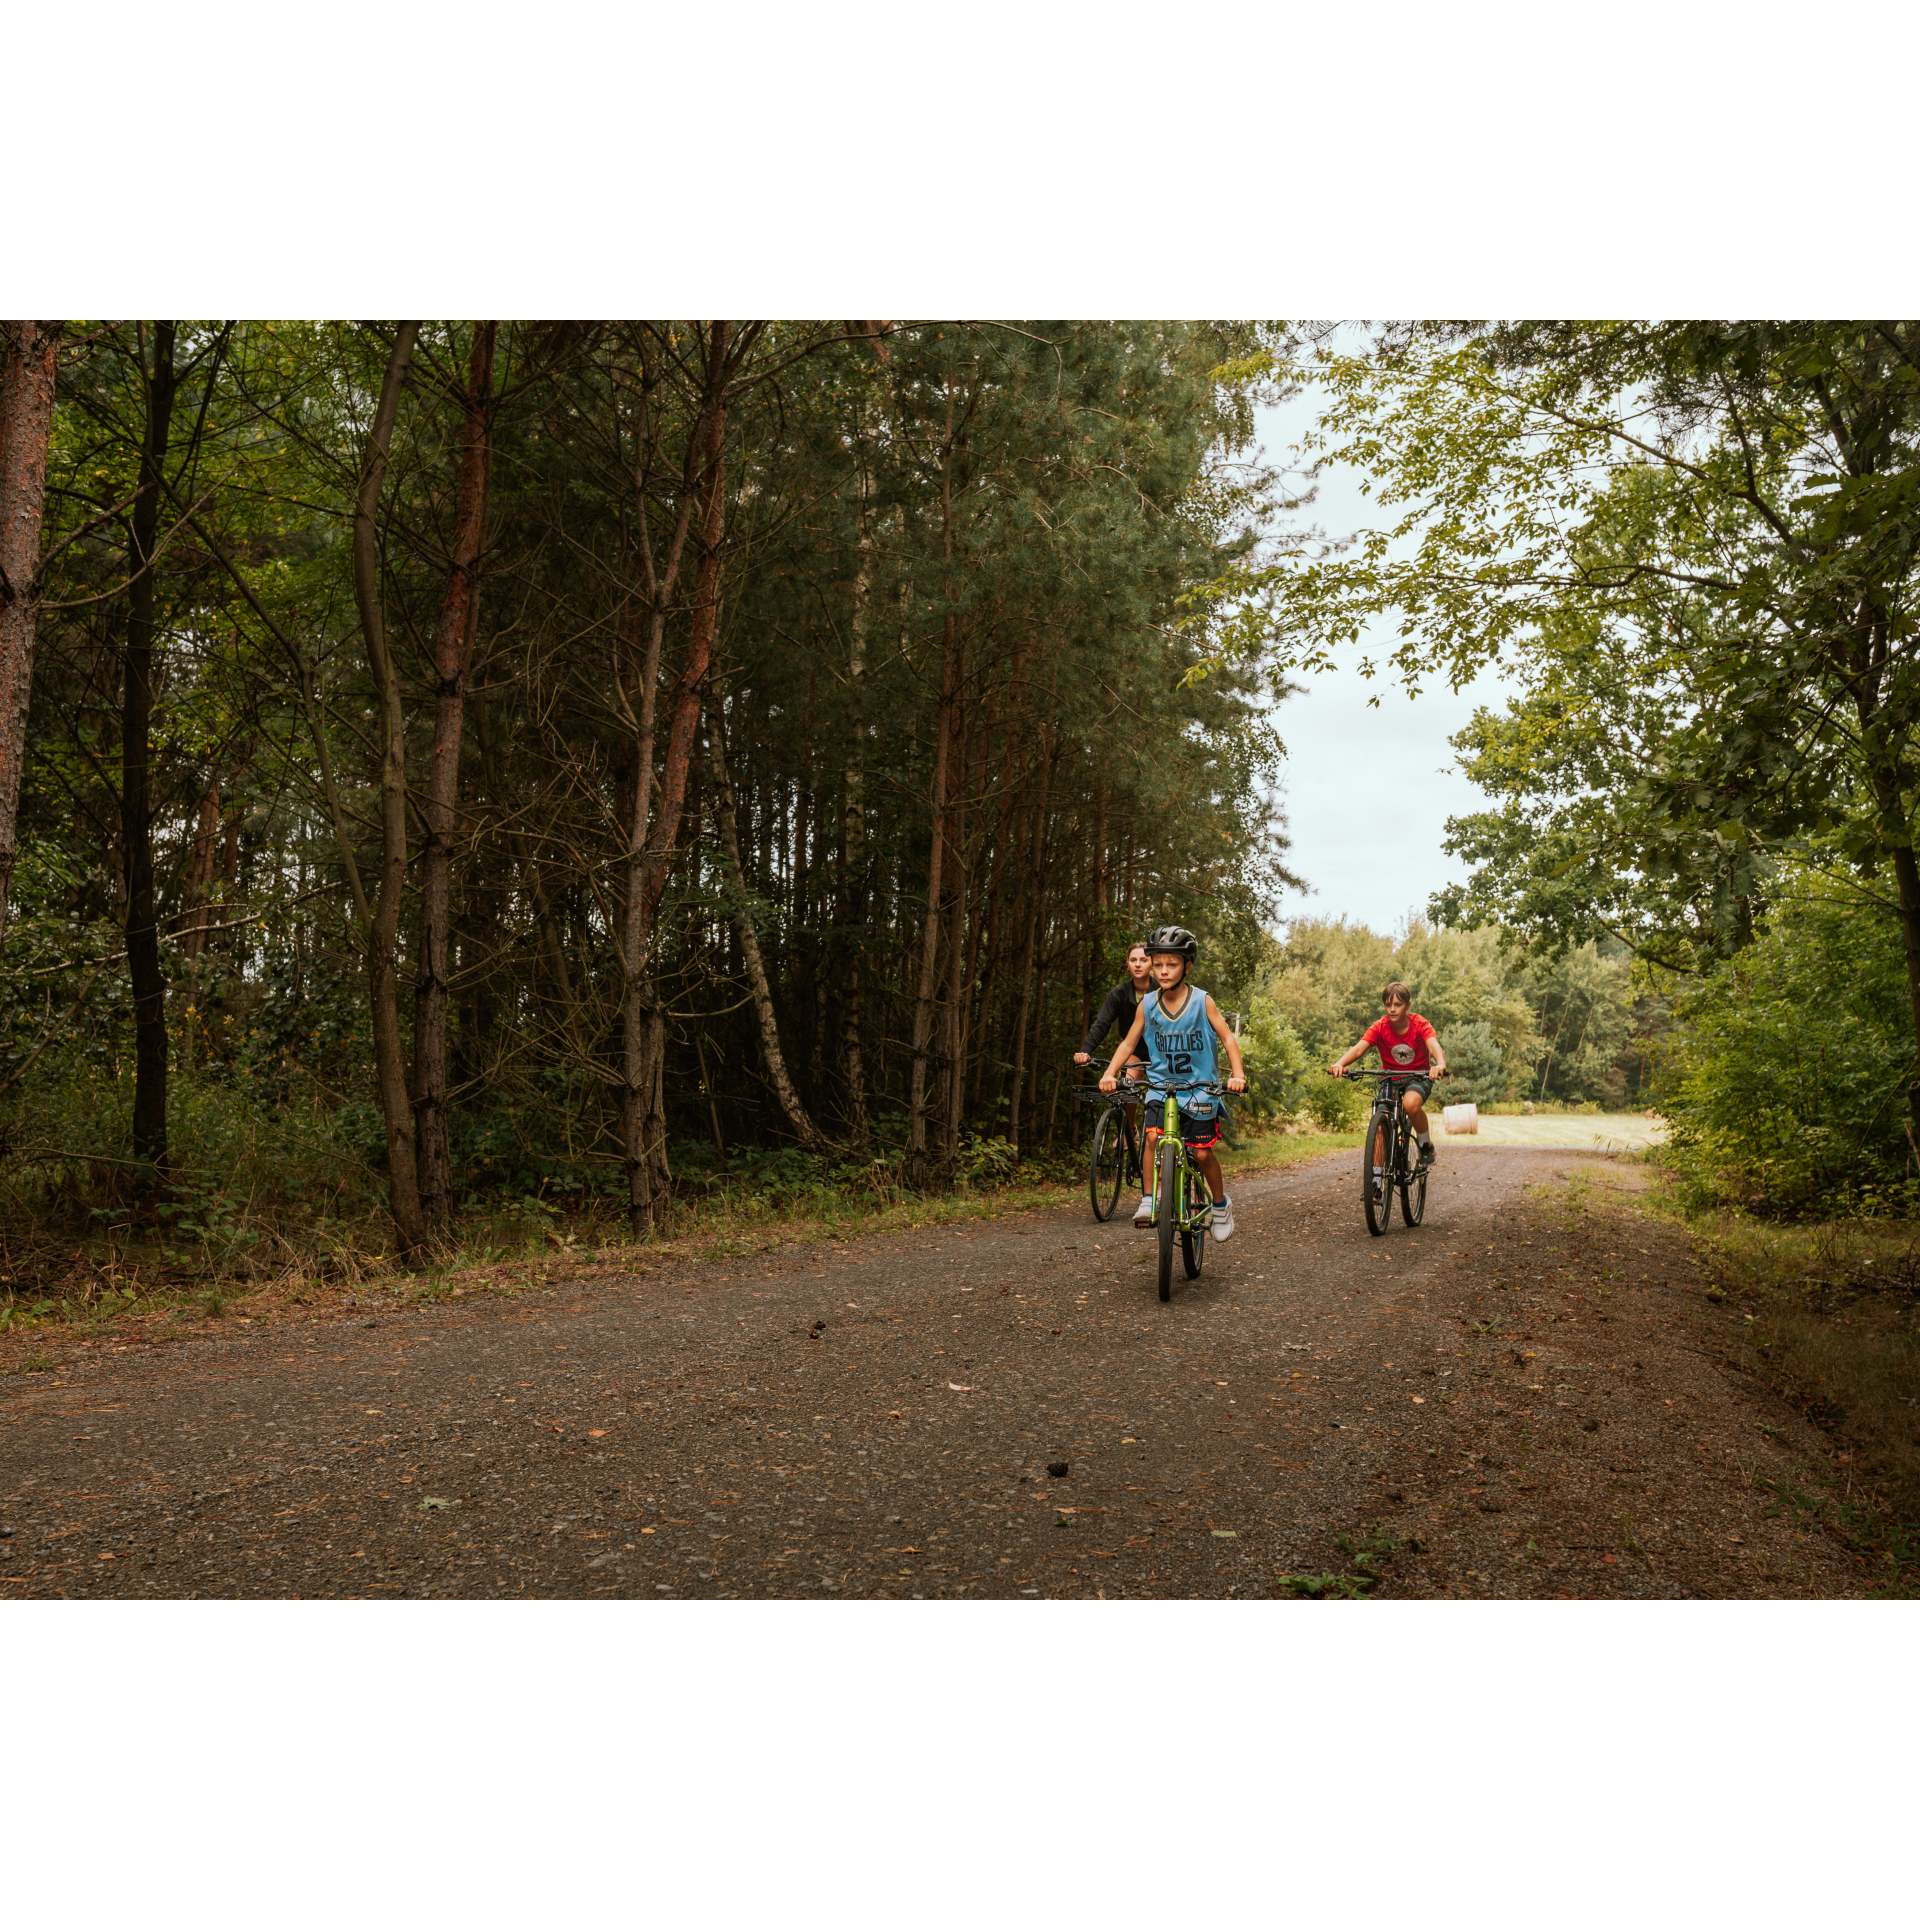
(1368,789)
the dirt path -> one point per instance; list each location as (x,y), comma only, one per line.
(1534,1392)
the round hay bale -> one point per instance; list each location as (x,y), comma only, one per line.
(1461,1119)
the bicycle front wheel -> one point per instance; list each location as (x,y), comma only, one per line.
(1168,1193)
(1193,1243)
(1378,1194)
(1108,1166)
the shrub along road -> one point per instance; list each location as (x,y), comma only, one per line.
(1526,1396)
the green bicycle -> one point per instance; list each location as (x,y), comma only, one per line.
(1175,1172)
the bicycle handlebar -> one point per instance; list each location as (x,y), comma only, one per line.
(1136,1091)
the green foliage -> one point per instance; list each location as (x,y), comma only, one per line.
(1476,1063)
(1792,1060)
(1566,1028)
(1278,1070)
(1336,1106)
(1697,546)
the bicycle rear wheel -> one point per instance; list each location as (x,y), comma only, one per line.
(1378,1196)
(1167,1196)
(1108,1166)
(1413,1197)
(1193,1245)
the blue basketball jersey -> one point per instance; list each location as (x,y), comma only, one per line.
(1183,1049)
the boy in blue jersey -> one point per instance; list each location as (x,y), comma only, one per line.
(1180,1025)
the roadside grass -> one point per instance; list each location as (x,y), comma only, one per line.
(1831,1316)
(1269,1150)
(58,1288)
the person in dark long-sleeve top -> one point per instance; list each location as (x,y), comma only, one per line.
(1119,1007)
(1117,1011)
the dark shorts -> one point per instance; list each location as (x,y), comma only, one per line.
(1198,1133)
(1419,1083)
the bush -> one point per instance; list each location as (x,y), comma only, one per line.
(1477,1070)
(1338,1105)
(1793,1060)
(1277,1067)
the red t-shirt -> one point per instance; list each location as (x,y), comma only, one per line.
(1404,1051)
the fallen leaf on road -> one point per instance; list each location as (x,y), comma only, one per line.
(1220,1533)
(953,1386)
(434,1504)
(1417,1401)
(646,1529)
(596,1433)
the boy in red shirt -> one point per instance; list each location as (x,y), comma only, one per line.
(1408,1045)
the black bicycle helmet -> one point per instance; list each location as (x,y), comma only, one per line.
(1175,940)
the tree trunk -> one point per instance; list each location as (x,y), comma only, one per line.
(383,988)
(1906,872)
(851,953)
(650,853)
(136,803)
(1034,876)
(196,891)
(955,1045)
(29,358)
(797,1116)
(452,660)
(930,937)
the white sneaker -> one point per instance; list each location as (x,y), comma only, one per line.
(1223,1218)
(1143,1213)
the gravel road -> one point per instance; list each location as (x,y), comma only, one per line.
(890,1416)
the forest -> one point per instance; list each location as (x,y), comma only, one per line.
(547,763)
(449,767)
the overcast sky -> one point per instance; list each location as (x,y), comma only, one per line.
(1367,790)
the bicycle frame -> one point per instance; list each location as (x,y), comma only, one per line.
(1386,1096)
(1395,1175)
(1199,1210)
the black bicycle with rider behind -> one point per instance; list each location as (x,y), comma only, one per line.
(1389,1163)
(1115,1161)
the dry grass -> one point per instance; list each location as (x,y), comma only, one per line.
(1833,1312)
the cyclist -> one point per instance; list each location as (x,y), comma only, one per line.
(1117,1010)
(1406,1042)
(1180,1025)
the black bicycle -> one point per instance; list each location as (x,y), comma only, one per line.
(1115,1160)
(1398,1170)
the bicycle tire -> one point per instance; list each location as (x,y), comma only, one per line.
(1166,1186)
(1193,1246)
(1107,1167)
(1377,1200)
(1413,1197)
